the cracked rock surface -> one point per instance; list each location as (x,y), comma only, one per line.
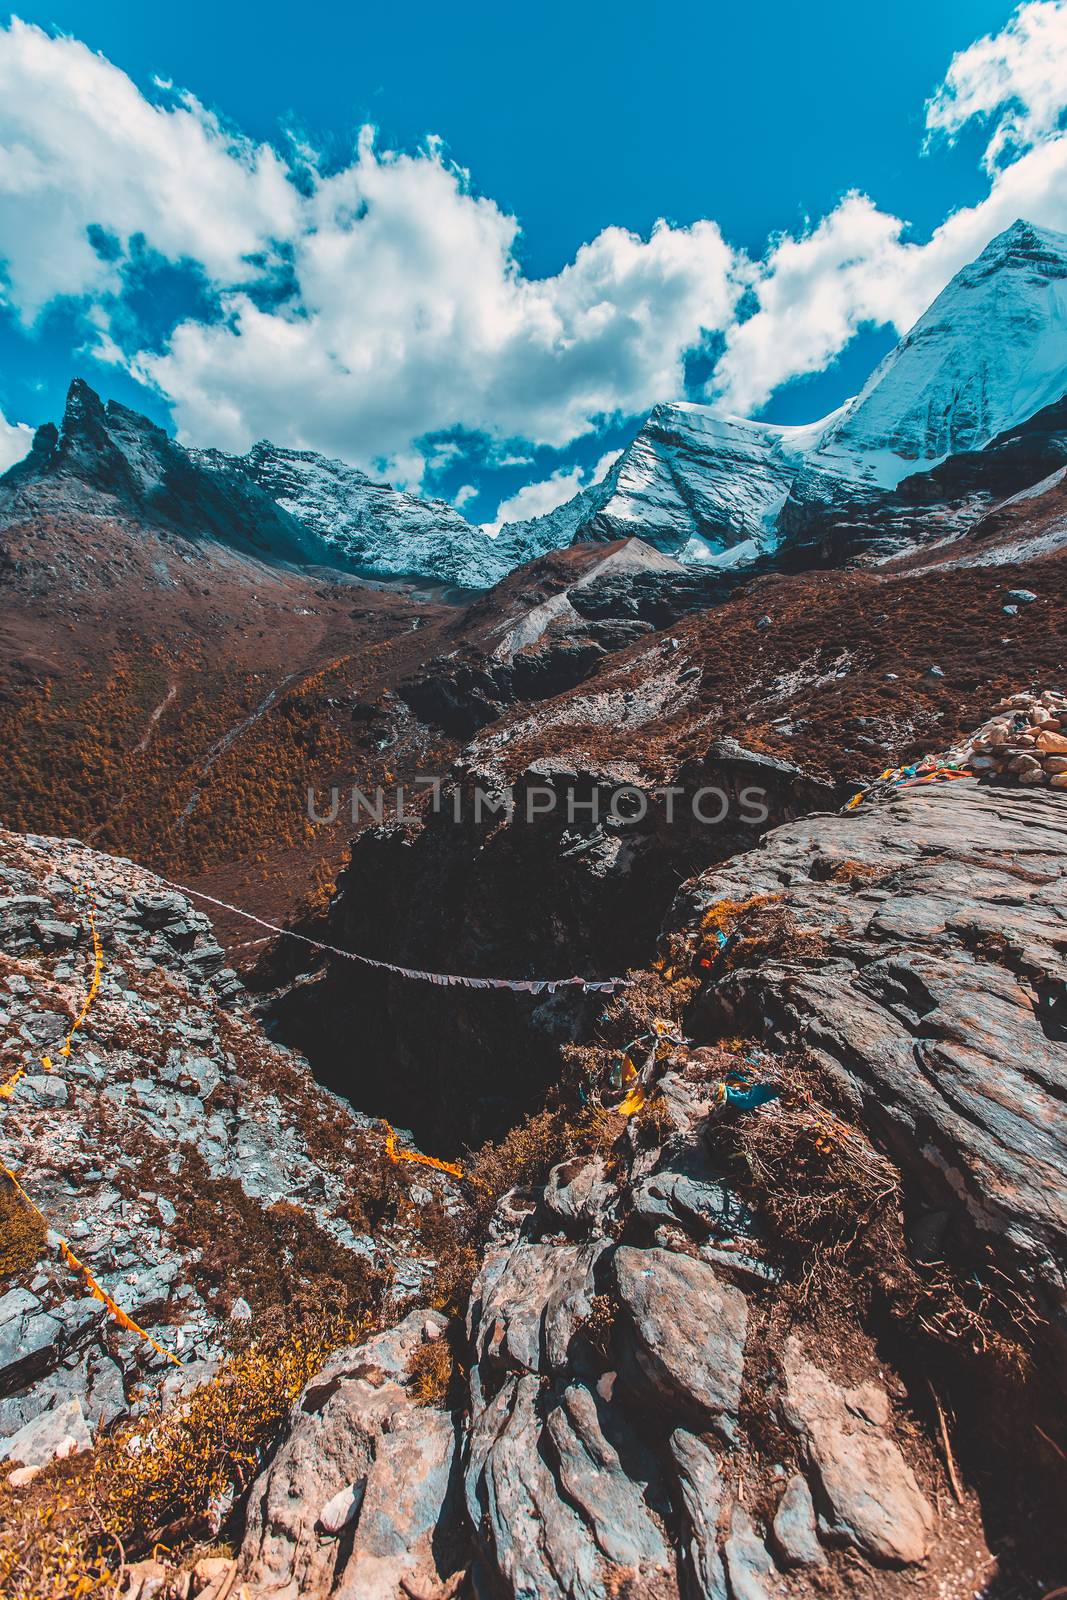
(940,1003)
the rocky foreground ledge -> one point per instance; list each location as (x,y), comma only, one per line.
(786,1321)
(798,1349)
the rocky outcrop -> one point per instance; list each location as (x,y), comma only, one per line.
(362,1491)
(194,1168)
(640,1416)
(618,1372)
(938,1001)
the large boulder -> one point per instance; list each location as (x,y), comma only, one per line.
(688,1327)
(357,1495)
(874,1499)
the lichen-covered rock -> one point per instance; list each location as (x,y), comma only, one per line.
(171,1109)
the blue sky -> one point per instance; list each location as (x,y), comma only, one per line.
(385,307)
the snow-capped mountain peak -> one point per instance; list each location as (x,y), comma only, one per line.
(989,353)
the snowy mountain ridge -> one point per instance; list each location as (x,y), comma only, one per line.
(703,488)
(700,486)
(987,354)
(376,528)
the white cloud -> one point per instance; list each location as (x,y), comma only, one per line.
(604,465)
(15,440)
(410,313)
(1020,73)
(464,495)
(854,268)
(413,316)
(534,499)
(80,146)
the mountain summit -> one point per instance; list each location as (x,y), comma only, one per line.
(989,353)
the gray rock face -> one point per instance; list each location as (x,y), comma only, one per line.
(578,1192)
(405,1506)
(357,1452)
(938,1004)
(109,461)
(748,1563)
(701,1494)
(876,1503)
(54,1433)
(688,1327)
(592,1477)
(554,1475)
(538,1543)
(795,1536)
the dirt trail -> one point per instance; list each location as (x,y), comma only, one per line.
(146,737)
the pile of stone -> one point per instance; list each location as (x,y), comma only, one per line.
(1026,740)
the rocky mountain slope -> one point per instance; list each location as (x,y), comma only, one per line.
(107,462)
(196,1169)
(556,1413)
(699,486)
(769,1302)
(281,505)
(990,352)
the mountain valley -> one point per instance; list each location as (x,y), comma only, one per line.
(545,1190)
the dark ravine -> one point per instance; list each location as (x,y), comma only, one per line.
(577,882)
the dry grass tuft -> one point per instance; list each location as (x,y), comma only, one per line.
(597,1327)
(23,1234)
(834,1207)
(653,1122)
(430,1370)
